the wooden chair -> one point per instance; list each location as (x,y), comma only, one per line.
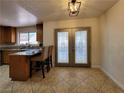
(41,59)
(50,55)
(48,62)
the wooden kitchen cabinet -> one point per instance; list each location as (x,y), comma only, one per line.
(7,35)
(19,67)
(39,32)
(13,35)
(6,54)
(6,57)
(10,34)
(2,35)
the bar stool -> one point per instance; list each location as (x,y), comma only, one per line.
(41,59)
(50,55)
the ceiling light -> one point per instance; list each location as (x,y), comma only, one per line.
(74,7)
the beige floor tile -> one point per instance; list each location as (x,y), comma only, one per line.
(22,87)
(62,88)
(60,80)
(97,84)
(84,88)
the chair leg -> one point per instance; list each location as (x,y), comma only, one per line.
(37,65)
(51,62)
(48,67)
(43,70)
(30,69)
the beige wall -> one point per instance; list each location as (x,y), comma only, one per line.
(27,29)
(112,42)
(48,34)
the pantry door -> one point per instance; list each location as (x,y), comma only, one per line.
(72,47)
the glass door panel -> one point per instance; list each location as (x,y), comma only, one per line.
(81,47)
(63,47)
(72,47)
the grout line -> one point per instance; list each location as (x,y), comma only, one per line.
(12,86)
(31,86)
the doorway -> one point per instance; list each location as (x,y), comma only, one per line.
(72,47)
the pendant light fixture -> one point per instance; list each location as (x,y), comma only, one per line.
(74,8)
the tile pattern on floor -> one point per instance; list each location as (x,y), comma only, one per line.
(60,80)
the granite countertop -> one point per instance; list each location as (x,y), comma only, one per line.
(17,47)
(29,52)
(13,49)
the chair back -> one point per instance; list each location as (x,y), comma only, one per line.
(50,50)
(45,53)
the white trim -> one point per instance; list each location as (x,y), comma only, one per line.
(95,66)
(112,77)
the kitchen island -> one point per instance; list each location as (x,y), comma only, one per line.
(20,64)
(6,52)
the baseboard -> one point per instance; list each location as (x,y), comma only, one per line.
(112,77)
(95,66)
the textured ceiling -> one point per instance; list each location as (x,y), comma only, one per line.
(30,12)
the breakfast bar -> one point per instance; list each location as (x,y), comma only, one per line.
(20,64)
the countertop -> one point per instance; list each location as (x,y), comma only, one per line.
(29,52)
(13,49)
(17,47)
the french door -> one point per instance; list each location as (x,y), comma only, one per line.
(72,47)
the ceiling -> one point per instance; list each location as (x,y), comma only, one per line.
(29,12)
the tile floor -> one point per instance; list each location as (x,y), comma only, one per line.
(60,80)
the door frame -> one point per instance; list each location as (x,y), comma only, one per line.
(88,29)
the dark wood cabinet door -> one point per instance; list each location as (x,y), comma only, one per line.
(0,35)
(3,36)
(13,35)
(7,35)
(39,32)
